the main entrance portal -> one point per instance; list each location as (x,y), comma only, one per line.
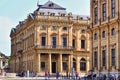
(53,67)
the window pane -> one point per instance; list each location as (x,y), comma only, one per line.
(104,58)
(113,57)
(64,66)
(64,42)
(95,15)
(53,42)
(43,42)
(95,59)
(82,44)
(42,65)
(104,11)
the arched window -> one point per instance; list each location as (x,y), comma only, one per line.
(103,34)
(83,64)
(95,36)
(113,31)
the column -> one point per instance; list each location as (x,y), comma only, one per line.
(77,63)
(60,63)
(38,63)
(70,36)
(59,36)
(99,51)
(48,36)
(71,66)
(78,39)
(50,64)
(108,49)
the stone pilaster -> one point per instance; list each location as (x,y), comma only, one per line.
(50,63)
(60,63)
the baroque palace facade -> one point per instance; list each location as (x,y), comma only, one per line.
(51,40)
(105,36)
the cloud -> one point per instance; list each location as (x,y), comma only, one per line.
(5,27)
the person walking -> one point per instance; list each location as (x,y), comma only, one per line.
(57,75)
(48,75)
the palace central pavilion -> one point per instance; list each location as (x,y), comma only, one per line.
(51,40)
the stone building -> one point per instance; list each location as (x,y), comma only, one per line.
(105,36)
(50,40)
(3,62)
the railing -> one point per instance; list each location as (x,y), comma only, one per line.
(54,47)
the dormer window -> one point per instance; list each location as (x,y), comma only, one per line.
(62,14)
(51,5)
(52,14)
(42,13)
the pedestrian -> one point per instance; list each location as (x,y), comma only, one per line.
(48,75)
(76,75)
(45,75)
(57,75)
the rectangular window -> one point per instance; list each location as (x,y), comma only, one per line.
(64,42)
(104,11)
(64,66)
(113,57)
(43,41)
(113,8)
(42,65)
(73,43)
(96,15)
(103,58)
(83,44)
(53,42)
(95,59)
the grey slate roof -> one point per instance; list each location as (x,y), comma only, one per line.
(52,8)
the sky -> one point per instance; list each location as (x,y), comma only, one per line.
(13,11)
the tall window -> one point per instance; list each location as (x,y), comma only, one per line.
(104,11)
(53,42)
(95,36)
(95,59)
(64,66)
(42,65)
(83,44)
(113,57)
(103,58)
(103,34)
(43,41)
(96,15)
(113,8)
(113,31)
(83,64)
(74,63)
(73,43)
(64,42)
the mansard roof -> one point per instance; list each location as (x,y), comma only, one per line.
(51,5)
(3,55)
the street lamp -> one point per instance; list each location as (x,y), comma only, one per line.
(66,59)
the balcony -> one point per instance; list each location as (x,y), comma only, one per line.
(53,47)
